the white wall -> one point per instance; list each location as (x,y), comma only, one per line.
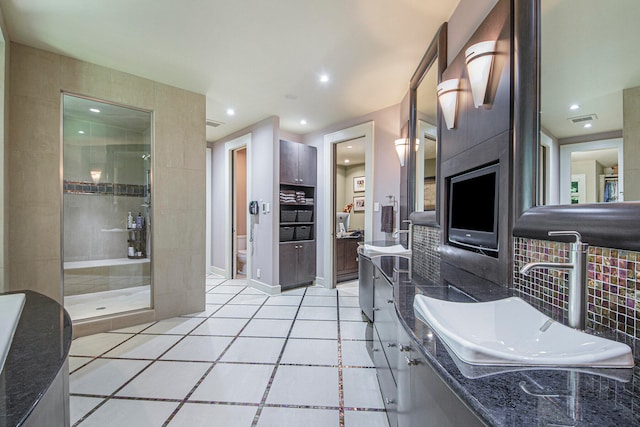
(386,168)
(345,194)
(463,22)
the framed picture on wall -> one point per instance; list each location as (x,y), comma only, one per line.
(358,204)
(358,184)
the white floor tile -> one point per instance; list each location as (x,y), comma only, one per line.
(310,352)
(276,312)
(209,310)
(320,290)
(284,300)
(314,329)
(234,383)
(174,326)
(135,329)
(218,298)
(144,346)
(318,313)
(220,327)
(250,299)
(254,350)
(320,301)
(251,291)
(76,362)
(352,314)
(267,328)
(238,311)
(199,348)
(103,377)
(361,389)
(131,413)
(356,353)
(201,415)
(225,289)
(296,417)
(95,345)
(297,291)
(79,406)
(305,385)
(211,281)
(348,301)
(365,419)
(236,282)
(356,331)
(165,380)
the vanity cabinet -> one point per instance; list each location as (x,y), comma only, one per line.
(298,163)
(347,258)
(414,394)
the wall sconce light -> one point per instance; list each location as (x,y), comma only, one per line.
(402,146)
(95,175)
(479,59)
(448,98)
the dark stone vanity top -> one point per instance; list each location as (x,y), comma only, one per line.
(38,351)
(535,397)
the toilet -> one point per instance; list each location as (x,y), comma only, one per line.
(241,242)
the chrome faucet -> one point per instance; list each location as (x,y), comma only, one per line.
(408,232)
(577,267)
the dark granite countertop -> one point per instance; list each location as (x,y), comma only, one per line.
(38,351)
(533,397)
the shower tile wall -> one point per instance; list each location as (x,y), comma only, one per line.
(613,284)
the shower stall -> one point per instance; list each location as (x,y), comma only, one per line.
(107,215)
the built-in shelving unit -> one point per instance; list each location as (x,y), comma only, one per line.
(297,214)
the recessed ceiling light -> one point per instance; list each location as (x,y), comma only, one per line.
(81,132)
(324,78)
(587,125)
(94,110)
(230,112)
(346,160)
(574,107)
(303,122)
(349,146)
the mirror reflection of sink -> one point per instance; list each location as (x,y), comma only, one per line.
(374,250)
(510,332)
(10,310)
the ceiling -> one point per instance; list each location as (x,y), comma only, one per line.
(259,58)
(589,55)
(350,153)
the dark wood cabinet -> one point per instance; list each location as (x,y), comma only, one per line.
(347,258)
(298,164)
(297,255)
(297,264)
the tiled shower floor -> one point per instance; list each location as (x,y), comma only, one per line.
(296,359)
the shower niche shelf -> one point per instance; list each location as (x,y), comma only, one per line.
(138,241)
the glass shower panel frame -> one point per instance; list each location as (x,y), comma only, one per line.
(107,172)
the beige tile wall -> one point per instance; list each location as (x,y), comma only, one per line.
(37,79)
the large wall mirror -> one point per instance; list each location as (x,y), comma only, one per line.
(590,102)
(423,127)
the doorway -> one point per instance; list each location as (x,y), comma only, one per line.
(239,226)
(364,202)
(349,192)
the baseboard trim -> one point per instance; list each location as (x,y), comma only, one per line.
(217,270)
(264,287)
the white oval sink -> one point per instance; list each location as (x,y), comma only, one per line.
(511,332)
(373,250)
(10,310)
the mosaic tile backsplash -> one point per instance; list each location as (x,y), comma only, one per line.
(82,187)
(426,257)
(613,284)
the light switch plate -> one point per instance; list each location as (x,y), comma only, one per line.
(376,206)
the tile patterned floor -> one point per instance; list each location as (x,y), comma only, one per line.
(297,359)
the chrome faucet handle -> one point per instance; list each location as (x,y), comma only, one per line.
(408,221)
(580,245)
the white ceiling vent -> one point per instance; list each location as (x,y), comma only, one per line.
(213,123)
(583,119)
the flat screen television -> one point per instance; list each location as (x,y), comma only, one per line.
(473,209)
(342,218)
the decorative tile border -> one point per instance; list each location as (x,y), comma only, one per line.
(425,255)
(103,188)
(613,284)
